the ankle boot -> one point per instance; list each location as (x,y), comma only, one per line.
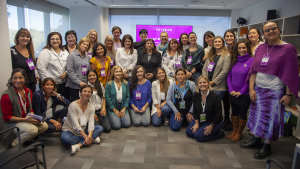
(254,143)
(235,123)
(239,133)
(263,152)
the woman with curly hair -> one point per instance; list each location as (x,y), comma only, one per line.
(140,97)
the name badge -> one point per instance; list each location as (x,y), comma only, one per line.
(112,62)
(189,60)
(83,121)
(210,66)
(182,105)
(177,63)
(138,95)
(89,55)
(30,64)
(202,117)
(49,113)
(83,69)
(162,96)
(119,96)
(102,71)
(265,60)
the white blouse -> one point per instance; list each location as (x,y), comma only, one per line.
(95,100)
(125,60)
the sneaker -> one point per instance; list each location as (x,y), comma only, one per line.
(167,121)
(97,140)
(74,149)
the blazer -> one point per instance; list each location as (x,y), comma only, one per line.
(156,95)
(220,73)
(152,65)
(111,96)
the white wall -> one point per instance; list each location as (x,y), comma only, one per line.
(235,14)
(5,59)
(104,23)
(258,12)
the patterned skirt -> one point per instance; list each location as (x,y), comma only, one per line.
(266,115)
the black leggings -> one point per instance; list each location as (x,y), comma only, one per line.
(226,104)
(238,110)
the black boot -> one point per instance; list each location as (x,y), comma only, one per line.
(254,143)
(263,152)
(225,123)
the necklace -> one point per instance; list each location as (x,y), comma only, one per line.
(268,52)
(25,54)
(102,62)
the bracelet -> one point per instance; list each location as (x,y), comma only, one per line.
(289,94)
(58,96)
(124,110)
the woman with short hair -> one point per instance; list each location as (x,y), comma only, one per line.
(164,41)
(71,41)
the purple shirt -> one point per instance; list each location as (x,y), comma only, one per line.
(236,79)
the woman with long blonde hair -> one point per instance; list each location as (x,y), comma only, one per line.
(110,47)
(93,38)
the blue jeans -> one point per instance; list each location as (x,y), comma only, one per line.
(166,111)
(69,138)
(220,93)
(156,121)
(176,125)
(140,118)
(199,134)
(117,122)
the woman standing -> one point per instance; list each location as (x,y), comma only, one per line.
(163,45)
(254,37)
(172,58)
(159,90)
(79,129)
(52,62)
(230,39)
(207,42)
(217,66)
(140,97)
(71,41)
(117,99)
(238,88)
(139,46)
(101,62)
(77,65)
(192,58)
(180,99)
(22,56)
(16,103)
(150,59)
(126,57)
(97,99)
(208,114)
(184,42)
(45,103)
(111,51)
(273,79)
(93,38)
(117,32)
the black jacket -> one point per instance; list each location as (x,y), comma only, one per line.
(152,65)
(213,107)
(139,46)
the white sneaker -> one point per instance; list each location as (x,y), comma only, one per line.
(167,121)
(74,149)
(97,140)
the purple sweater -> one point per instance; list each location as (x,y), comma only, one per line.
(236,79)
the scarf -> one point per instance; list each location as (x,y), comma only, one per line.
(163,48)
(196,58)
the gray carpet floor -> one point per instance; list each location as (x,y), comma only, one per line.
(159,147)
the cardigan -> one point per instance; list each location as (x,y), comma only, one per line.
(111,96)
(151,65)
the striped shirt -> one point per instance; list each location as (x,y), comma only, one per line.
(72,122)
(74,69)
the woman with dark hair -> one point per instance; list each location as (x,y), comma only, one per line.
(238,88)
(192,58)
(184,42)
(150,59)
(172,58)
(126,57)
(207,42)
(255,39)
(71,41)
(117,99)
(16,103)
(97,99)
(50,104)
(23,56)
(117,32)
(93,38)
(101,62)
(274,78)
(79,129)
(140,97)
(159,94)
(52,62)
(230,39)
(139,46)
(77,65)
(180,100)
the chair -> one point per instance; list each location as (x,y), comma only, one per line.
(20,157)
(269,163)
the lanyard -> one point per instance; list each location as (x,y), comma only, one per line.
(203,104)
(271,49)
(23,103)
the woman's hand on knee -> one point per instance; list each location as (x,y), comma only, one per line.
(208,129)
(195,128)
(178,117)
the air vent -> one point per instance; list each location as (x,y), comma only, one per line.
(90,2)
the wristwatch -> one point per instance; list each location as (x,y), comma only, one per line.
(212,124)
(289,94)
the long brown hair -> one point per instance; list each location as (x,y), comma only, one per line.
(213,53)
(29,46)
(48,45)
(133,78)
(179,49)
(180,43)
(166,80)
(49,79)
(235,51)
(127,36)
(16,70)
(154,48)
(234,37)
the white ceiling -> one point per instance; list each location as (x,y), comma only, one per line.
(207,4)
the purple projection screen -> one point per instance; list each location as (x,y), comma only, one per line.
(154,31)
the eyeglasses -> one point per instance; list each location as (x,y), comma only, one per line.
(86,92)
(53,39)
(273,29)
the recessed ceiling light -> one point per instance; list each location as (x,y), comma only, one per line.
(76,2)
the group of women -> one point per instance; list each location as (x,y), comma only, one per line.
(111,84)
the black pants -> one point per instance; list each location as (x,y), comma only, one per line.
(238,110)
(74,93)
(60,114)
(32,86)
(63,90)
(103,121)
(226,104)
